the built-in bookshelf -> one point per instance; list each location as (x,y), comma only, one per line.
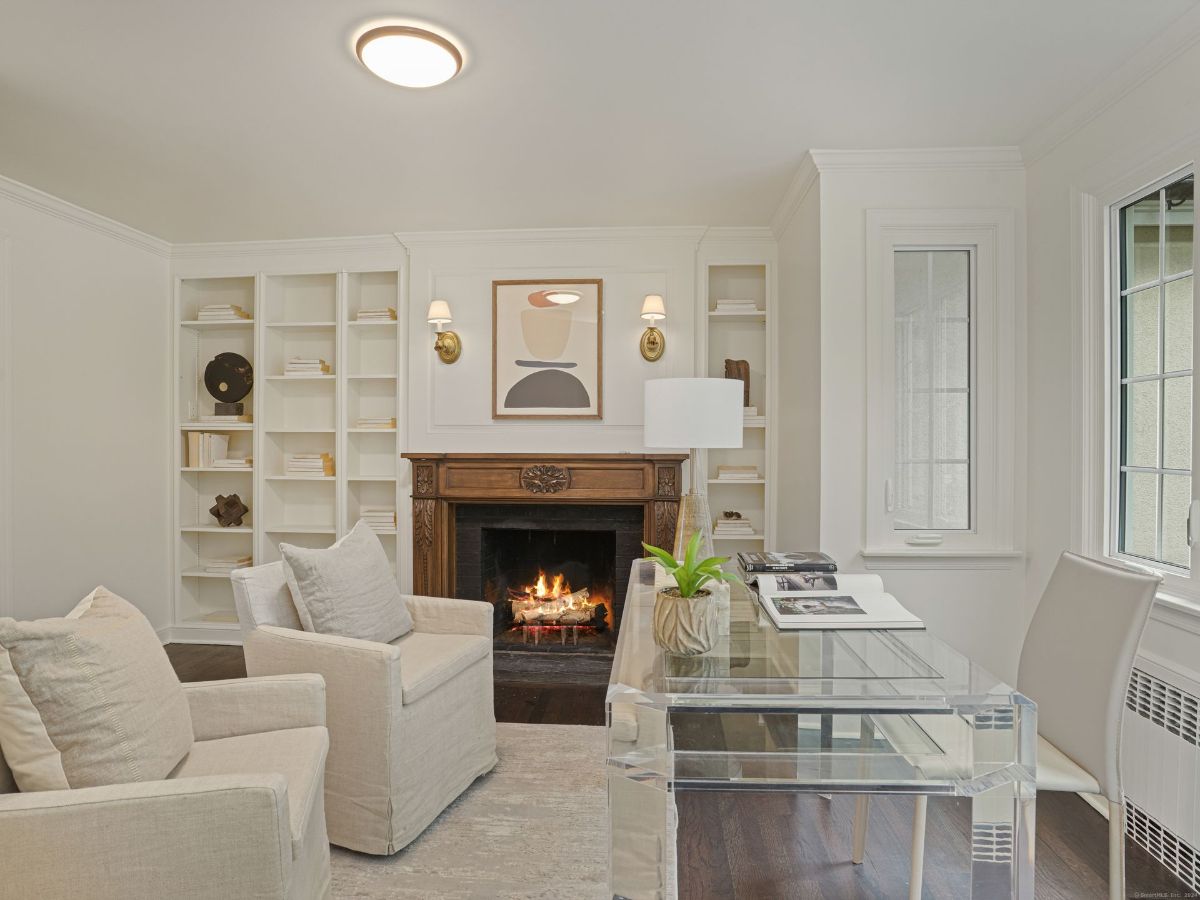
(742,333)
(309,315)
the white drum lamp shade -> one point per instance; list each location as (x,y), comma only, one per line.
(693,413)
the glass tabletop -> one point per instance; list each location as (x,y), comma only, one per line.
(756,665)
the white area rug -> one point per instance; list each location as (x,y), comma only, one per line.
(534,828)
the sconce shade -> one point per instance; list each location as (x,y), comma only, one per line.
(653,307)
(439,313)
(686,413)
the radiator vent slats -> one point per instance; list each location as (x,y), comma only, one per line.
(1159,771)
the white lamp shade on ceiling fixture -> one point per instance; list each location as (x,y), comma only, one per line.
(439,313)
(561,297)
(654,308)
(408,56)
(699,413)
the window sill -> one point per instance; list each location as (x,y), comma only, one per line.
(939,558)
(1176,612)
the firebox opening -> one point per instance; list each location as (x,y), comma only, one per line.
(550,588)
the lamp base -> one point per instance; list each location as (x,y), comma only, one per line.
(694,517)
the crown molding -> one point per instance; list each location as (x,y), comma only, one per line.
(39,200)
(300,245)
(919,159)
(690,233)
(1161,51)
(738,234)
(803,181)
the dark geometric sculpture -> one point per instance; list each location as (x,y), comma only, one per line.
(229,510)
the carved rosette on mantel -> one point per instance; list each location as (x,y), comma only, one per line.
(441,480)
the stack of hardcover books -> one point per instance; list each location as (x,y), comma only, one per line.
(737,306)
(221,312)
(804,590)
(738,473)
(380,518)
(733,527)
(298,366)
(310,465)
(376,315)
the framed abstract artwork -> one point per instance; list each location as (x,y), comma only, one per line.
(547,349)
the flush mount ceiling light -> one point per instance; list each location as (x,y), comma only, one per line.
(563,297)
(408,56)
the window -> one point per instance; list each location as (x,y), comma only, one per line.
(941,439)
(1152,364)
(933,389)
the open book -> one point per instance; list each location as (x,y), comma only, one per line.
(827,600)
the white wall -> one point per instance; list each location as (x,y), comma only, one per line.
(450,407)
(1112,143)
(799,473)
(974,605)
(87,366)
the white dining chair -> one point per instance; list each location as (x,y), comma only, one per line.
(1075,665)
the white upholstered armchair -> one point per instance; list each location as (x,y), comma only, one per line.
(411,722)
(241,816)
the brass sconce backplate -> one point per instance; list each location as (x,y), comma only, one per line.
(448,347)
(653,344)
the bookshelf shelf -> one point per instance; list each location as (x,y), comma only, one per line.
(216,326)
(217,529)
(303,315)
(203,573)
(728,314)
(737,537)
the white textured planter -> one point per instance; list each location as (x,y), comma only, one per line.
(686,626)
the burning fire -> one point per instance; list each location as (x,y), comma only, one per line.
(551,601)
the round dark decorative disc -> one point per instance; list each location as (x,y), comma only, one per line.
(229,377)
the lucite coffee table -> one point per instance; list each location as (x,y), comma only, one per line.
(845,711)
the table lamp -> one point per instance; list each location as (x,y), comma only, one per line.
(696,414)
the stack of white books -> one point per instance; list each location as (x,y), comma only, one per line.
(733,528)
(206,450)
(221,312)
(309,465)
(299,366)
(375,422)
(738,473)
(235,462)
(738,306)
(380,518)
(749,412)
(387,314)
(225,566)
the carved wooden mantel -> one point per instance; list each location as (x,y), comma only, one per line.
(441,480)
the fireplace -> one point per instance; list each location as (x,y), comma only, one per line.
(501,527)
(555,574)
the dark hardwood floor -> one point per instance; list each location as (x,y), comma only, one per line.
(736,846)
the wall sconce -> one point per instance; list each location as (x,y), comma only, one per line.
(447,346)
(653,344)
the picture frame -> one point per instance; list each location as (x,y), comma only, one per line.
(547,356)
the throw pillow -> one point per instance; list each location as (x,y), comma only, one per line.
(347,590)
(89,699)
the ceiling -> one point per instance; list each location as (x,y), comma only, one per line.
(251,119)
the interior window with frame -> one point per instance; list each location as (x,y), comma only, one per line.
(1152,247)
(941,438)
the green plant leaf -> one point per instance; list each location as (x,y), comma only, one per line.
(667,560)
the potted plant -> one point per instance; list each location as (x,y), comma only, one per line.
(686,617)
